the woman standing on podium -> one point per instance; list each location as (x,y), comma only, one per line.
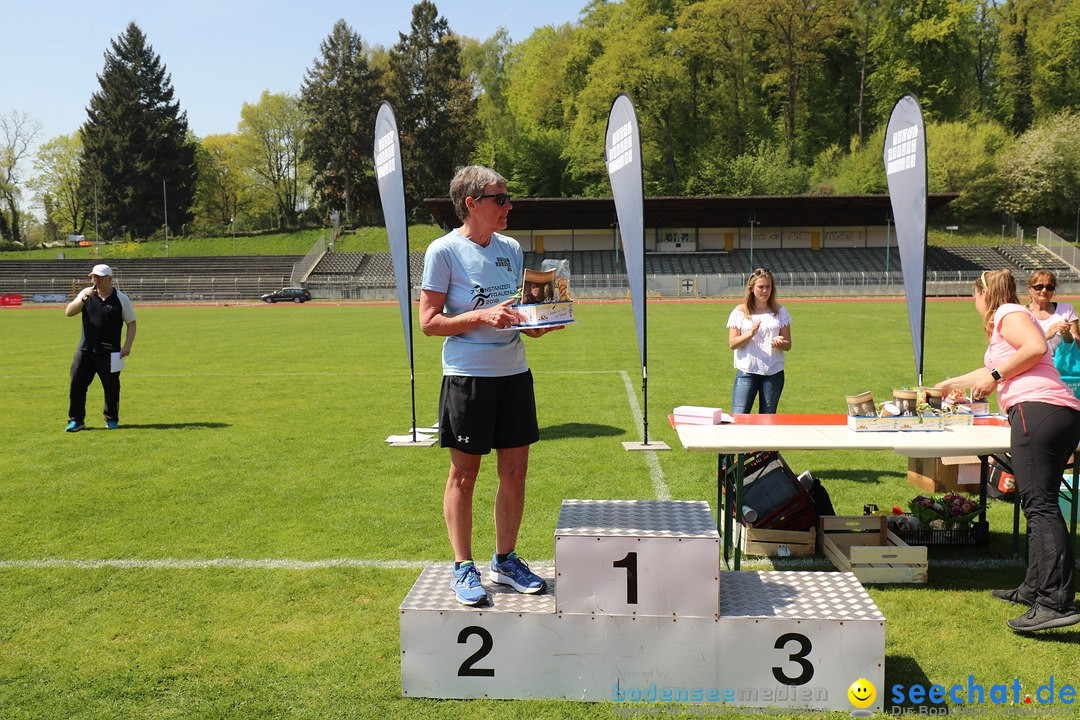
(1044,416)
(759,331)
(471,277)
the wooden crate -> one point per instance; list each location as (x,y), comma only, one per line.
(777,543)
(863,545)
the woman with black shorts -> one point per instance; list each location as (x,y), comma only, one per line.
(1044,416)
(471,278)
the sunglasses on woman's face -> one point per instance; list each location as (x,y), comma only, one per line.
(1040,287)
(500,198)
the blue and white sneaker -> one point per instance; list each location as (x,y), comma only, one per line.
(112,424)
(515,573)
(74,426)
(466,585)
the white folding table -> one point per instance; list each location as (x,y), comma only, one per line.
(750,433)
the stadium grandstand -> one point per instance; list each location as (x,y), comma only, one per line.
(695,247)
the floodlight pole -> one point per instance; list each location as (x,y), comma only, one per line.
(753,222)
(888,242)
(165,203)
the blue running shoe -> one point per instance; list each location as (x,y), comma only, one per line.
(466,585)
(74,426)
(112,424)
(515,573)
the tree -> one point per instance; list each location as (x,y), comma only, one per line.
(135,141)
(1016,106)
(1055,45)
(434,105)
(272,133)
(1042,171)
(962,158)
(716,44)
(57,165)
(17,134)
(226,187)
(487,63)
(987,45)
(794,32)
(340,98)
(926,48)
(766,171)
(637,59)
(539,100)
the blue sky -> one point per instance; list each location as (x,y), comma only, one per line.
(220,54)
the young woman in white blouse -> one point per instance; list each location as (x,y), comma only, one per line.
(759,331)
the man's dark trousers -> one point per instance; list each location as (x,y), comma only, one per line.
(83,368)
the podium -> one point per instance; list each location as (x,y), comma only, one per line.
(638,610)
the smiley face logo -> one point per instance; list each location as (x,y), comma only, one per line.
(862,693)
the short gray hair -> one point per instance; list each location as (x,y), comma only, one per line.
(470,181)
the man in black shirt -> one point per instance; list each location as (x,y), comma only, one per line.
(104,311)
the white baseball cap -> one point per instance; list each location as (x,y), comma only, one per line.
(102,271)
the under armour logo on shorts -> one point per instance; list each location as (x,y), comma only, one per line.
(464,439)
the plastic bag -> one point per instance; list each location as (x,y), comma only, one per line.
(562,277)
(1067,359)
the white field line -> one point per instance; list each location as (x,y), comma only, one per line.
(359,563)
(278,374)
(660,488)
(231,563)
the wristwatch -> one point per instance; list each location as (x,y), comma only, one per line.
(996,375)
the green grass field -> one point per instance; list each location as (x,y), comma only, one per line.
(240,547)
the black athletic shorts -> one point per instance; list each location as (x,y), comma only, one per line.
(477,414)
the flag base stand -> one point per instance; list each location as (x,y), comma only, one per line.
(410,443)
(645,446)
(413,438)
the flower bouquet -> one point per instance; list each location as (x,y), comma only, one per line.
(951,511)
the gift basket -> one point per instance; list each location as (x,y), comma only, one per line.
(950,519)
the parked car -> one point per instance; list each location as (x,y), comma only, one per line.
(296,295)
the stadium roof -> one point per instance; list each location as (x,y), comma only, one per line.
(688,212)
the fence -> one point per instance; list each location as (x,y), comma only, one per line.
(687,286)
(1059,246)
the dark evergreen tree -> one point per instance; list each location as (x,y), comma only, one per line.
(136,145)
(1017,106)
(434,105)
(340,97)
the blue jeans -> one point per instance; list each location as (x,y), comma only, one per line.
(749,387)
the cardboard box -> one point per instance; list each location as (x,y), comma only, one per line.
(697,415)
(863,545)
(546,314)
(938,475)
(864,423)
(921,424)
(778,543)
(958,419)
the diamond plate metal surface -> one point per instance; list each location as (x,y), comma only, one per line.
(797,595)
(636,518)
(431,591)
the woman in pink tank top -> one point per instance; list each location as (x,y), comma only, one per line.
(1044,416)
